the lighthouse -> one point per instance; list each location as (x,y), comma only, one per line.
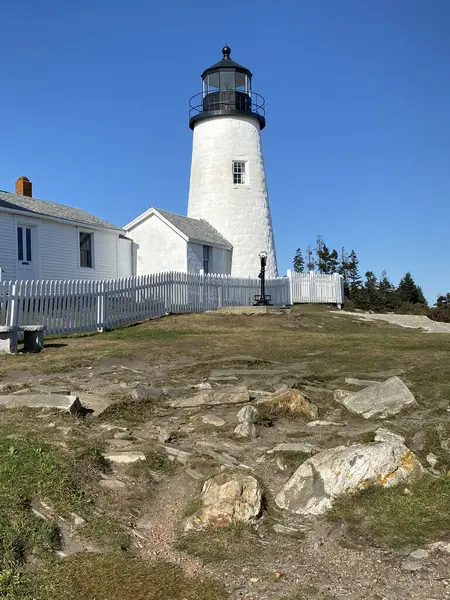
(228,187)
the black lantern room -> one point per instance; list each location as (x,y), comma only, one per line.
(227,91)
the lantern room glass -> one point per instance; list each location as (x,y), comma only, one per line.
(226,81)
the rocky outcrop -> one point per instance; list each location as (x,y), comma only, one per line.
(346,469)
(228,395)
(246,417)
(294,402)
(225,498)
(380,400)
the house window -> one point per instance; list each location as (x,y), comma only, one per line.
(86,249)
(206,259)
(24,244)
(238,172)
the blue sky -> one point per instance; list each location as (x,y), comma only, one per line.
(94,110)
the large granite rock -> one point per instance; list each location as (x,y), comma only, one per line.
(227,497)
(346,469)
(381,400)
(294,402)
(228,395)
(143,393)
(246,417)
(70,404)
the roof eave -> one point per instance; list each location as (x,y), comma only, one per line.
(222,245)
(36,215)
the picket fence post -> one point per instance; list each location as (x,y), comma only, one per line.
(101,306)
(13,307)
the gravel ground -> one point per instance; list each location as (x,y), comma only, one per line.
(412,321)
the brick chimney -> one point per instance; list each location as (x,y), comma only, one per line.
(24,187)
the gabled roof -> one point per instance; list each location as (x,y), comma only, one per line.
(34,207)
(194,230)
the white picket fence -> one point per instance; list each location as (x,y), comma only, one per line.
(89,305)
(316,288)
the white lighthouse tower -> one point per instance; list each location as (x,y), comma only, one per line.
(228,182)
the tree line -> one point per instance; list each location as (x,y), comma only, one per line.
(368,292)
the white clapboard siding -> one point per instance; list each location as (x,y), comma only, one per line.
(316,288)
(88,305)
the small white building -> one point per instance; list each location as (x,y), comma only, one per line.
(46,240)
(167,241)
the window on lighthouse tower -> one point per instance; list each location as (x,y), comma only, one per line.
(238,172)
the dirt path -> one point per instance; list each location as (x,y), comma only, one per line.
(411,321)
(159,525)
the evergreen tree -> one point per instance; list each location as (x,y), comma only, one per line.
(408,291)
(343,270)
(371,292)
(298,262)
(387,293)
(354,279)
(327,262)
(310,265)
(333,262)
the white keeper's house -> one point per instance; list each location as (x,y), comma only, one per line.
(228,223)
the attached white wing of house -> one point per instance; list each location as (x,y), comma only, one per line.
(170,242)
(46,240)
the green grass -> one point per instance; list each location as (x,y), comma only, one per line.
(156,462)
(437,441)
(106,533)
(292,460)
(396,518)
(129,412)
(31,472)
(234,542)
(191,507)
(109,577)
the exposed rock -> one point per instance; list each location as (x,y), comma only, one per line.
(361,382)
(381,400)
(418,441)
(230,395)
(122,435)
(293,401)
(303,447)
(204,385)
(419,554)
(412,565)
(323,424)
(210,419)
(384,435)
(147,393)
(179,455)
(246,417)
(163,435)
(432,459)
(77,521)
(69,404)
(346,469)
(440,547)
(228,497)
(112,484)
(285,530)
(280,464)
(124,457)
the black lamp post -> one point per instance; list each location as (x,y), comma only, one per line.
(263,299)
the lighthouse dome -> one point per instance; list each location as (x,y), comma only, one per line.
(226,90)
